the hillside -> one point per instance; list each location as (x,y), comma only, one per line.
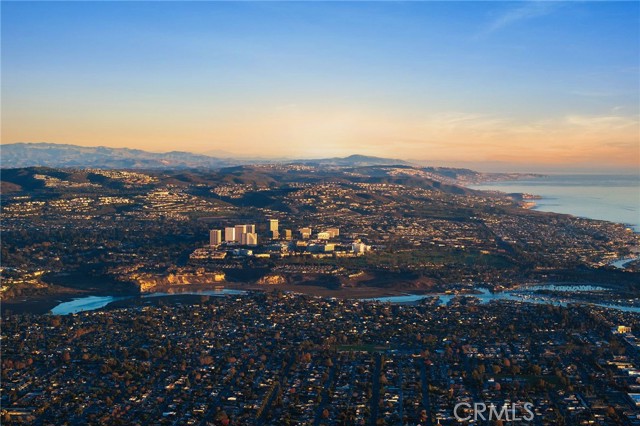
(359,168)
(49,179)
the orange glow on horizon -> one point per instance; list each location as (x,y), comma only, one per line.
(320,132)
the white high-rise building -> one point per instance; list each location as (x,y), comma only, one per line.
(230,234)
(250,239)
(240,229)
(273,225)
(215,237)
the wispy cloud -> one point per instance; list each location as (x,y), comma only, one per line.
(523,12)
(601,123)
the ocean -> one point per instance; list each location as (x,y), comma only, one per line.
(614,198)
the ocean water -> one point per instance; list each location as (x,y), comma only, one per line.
(615,198)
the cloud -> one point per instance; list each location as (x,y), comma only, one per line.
(601,123)
(524,12)
(464,136)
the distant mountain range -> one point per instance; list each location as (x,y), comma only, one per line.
(73,156)
(353,161)
(63,155)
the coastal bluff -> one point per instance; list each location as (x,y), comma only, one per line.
(147,282)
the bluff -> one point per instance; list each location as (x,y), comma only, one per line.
(150,282)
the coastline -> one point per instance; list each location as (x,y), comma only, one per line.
(43,304)
(611,198)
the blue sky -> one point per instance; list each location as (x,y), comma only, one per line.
(550,83)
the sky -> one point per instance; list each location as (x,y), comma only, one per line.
(496,85)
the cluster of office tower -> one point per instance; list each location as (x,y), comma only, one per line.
(241,234)
(247,235)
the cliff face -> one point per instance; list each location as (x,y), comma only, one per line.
(148,282)
(272,280)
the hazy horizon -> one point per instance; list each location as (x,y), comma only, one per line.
(486,167)
(492,86)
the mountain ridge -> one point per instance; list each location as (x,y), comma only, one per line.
(48,154)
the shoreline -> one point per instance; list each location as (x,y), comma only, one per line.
(46,302)
(188,293)
(43,304)
(536,189)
